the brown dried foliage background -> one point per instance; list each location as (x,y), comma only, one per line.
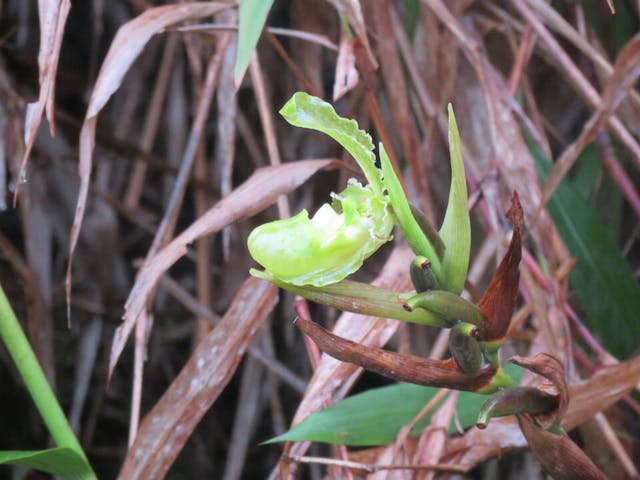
(177,165)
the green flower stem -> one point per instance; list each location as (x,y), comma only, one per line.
(34,378)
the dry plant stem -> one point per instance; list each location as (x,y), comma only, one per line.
(398,99)
(269,361)
(378,122)
(525,48)
(264,109)
(295,69)
(203,248)
(311,37)
(169,219)
(152,120)
(615,444)
(301,308)
(225,145)
(373,468)
(247,411)
(581,84)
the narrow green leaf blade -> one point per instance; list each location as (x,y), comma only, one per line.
(416,238)
(602,278)
(62,461)
(252,16)
(376,416)
(456,227)
(306,111)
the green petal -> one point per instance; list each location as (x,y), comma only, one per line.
(303,110)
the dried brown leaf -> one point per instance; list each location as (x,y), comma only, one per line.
(257,193)
(397,366)
(558,454)
(52,15)
(126,46)
(346,72)
(172,420)
(499,300)
(550,368)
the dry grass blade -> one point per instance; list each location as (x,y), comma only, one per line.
(346,77)
(573,74)
(257,193)
(353,13)
(170,423)
(126,46)
(53,16)
(625,72)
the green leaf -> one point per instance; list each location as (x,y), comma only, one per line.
(376,416)
(306,111)
(62,461)
(252,16)
(456,227)
(416,238)
(602,278)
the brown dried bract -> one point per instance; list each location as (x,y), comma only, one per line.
(399,367)
(499,300)
(550,368)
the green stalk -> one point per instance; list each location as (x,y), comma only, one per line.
(34,378)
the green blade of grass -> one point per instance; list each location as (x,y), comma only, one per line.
(602,278)
(376,416)
(252,16)
(62,461)
(36,382)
